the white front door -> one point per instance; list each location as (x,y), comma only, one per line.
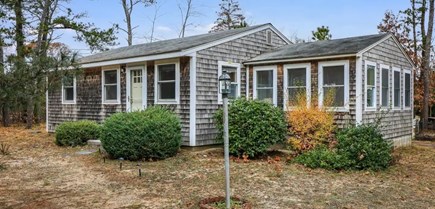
(136,80)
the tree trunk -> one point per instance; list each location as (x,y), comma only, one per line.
(6,117)
(128,8)
(19,33)
(426,61)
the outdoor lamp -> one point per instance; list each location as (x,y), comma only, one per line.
(225,83)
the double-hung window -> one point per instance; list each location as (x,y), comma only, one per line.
(385,86)
(233,70)
(407,89)
(370,93)
(265,83)
(297,83)
(334,84)
(396,88)
(167,81)
(111,86)
(69,89)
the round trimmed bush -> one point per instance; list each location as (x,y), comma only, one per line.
(153,133)
(75,133)
(364,147)
(253,126)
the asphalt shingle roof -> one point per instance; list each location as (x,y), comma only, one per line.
(165,46)
(320,48)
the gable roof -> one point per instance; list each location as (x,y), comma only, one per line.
(175,45)
(337,47)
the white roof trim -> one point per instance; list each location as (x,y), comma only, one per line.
(384,39)
(298,59)
(185,52)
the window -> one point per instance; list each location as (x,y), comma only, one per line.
(269,37)
(265,83)
(385,86)
(334,80)
(370,84)
(407,89)
(296,81)
(69,89)
(111,87)
(396,87)
(233,70)
(167,77)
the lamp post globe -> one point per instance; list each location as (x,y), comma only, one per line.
(224,83)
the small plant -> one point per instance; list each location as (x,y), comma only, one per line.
(322,157)
(309,125)
(151,134)
(76,133)
(253,126)
(4,149)
(365,147)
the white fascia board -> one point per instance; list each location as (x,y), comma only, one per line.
(298,59)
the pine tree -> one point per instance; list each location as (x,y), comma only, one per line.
(229,16)
(322,33)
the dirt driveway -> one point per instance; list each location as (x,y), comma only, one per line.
(39,174)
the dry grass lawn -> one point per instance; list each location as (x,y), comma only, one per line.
(39,174)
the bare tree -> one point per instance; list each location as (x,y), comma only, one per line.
(427,44)
(128,6)
(186,13)
(153,20)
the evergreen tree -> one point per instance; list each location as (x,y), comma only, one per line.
(321,34)
(229,16)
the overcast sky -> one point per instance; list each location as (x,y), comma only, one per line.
(292,17)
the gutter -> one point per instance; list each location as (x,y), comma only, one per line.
(298,59)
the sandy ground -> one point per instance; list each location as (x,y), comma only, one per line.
(38,174)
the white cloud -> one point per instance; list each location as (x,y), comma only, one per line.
(163,29)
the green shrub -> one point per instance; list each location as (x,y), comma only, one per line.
(76,132)
(359,148)
(253,126)
(322,157)
(365,147)
(153,133)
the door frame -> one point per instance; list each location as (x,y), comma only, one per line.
(128,85)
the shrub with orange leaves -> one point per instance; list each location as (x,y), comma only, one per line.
(309,125)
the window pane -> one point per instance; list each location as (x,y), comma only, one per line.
(407,90)
(385,85)
(110,77)
(371,97)
(370,75)
(167,90)
(232,76)
(333,75)
(111,92)
(294,92)
(68,94)
(166,72)
(297,77)
(265,94)
(233,91)
(68,80)
(338,93)
(265,78)
(396,89)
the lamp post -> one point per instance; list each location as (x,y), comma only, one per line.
(224,88)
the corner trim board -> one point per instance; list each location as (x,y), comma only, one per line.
(192,112)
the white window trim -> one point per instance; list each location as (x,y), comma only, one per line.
(269,34)
(238,77)
(144,85)
(367,108)
(410,89)
(345,63)
(118,86)
(307,67)
(274,73)
(176,62)
(381,67)
(396,69)
(74,93)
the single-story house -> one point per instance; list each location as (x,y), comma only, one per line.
(371,75)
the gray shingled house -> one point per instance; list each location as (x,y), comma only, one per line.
(370,75)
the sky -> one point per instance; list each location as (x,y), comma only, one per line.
(294,18)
